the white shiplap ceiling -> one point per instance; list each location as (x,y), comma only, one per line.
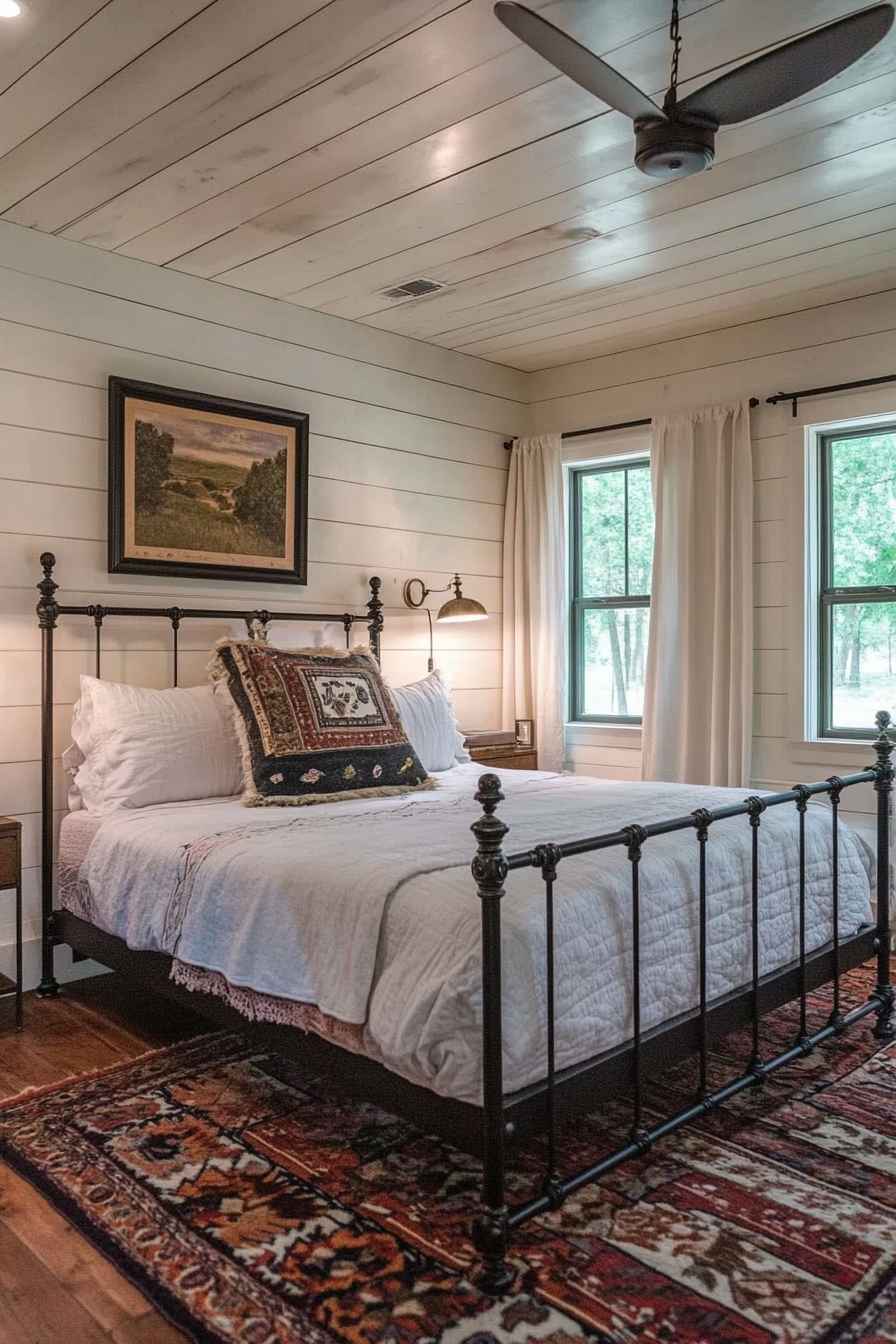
(321,151)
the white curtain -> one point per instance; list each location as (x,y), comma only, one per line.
(534,585)
(699,685)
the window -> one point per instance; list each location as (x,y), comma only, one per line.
(611,535)
(857,578)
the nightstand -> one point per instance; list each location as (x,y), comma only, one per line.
(11,880)
(506,758)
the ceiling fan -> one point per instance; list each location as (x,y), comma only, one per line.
(678,138)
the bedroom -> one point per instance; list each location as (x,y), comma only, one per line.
(155,132)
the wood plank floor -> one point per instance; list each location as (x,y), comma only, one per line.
(53,1285)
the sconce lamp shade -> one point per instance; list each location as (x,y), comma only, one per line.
(457,608)
(460,608)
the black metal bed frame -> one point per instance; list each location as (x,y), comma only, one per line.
(562,1094)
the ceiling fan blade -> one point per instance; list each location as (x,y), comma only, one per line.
(779,76)
(576,61)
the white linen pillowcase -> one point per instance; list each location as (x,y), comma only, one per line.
(135,746)
(427,715)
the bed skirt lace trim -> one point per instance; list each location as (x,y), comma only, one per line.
(258,1007)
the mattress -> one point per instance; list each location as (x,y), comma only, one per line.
(363,914)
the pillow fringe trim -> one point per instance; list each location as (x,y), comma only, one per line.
(252,798)
(215,670)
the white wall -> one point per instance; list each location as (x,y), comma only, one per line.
(407,478)
(834,343)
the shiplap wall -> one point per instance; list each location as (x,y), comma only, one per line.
(833,343)
(407,475)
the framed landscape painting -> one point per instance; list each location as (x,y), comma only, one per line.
(205,487)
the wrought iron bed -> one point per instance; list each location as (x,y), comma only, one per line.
(563,1094)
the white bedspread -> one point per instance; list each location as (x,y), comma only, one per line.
(367,909)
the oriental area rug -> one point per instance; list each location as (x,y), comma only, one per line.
(253,1207)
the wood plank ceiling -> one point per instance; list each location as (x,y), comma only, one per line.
(321,151)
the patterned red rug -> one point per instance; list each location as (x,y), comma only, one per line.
(251,1206)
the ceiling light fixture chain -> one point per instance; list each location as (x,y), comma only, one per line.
(675,37)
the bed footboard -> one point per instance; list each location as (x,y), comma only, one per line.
(697,1031)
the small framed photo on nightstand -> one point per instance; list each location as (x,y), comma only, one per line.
(525,737)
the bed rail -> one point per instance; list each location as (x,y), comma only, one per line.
(495,1222)
(48,613)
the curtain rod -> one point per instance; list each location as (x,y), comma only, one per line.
(793,397)
(605,429)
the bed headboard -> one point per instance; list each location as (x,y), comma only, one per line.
(48,613)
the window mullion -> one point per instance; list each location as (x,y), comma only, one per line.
(614,603)
(853,596)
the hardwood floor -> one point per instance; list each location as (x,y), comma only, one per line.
(53,1285)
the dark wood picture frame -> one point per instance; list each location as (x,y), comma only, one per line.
(245,422)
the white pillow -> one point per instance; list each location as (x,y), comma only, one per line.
(142,746)
(427,715)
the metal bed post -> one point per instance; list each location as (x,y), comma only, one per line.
(546,857)
(47,612)
(634,839)
(756,807)
(883,785)
(375,623)
(174,616)
(836,1019)
(702,820)
(491,1229)
(98,613)
(802,805)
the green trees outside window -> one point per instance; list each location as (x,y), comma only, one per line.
(611,537)
(857,597)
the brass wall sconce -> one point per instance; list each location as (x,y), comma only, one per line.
(457,608)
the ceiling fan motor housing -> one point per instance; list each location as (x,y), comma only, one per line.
(674,148)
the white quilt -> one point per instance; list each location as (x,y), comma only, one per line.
(366,908)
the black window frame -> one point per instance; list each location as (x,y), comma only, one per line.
(830,596)
(581,603)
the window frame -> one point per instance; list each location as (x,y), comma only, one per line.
(578,602)
(827,595)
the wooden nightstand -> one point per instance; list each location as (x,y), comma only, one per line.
(506,758)
(11,880)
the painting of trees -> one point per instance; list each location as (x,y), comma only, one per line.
(152,464)
(261,501)
(198,489)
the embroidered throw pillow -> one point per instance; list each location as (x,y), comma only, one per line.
(315,725)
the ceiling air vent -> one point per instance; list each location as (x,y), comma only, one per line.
(412,289)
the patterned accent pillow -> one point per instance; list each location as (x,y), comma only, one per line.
(315,725)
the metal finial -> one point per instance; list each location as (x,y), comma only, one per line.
(489,793)
(884,746)
(489,865)
(47,608)
(375,616)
